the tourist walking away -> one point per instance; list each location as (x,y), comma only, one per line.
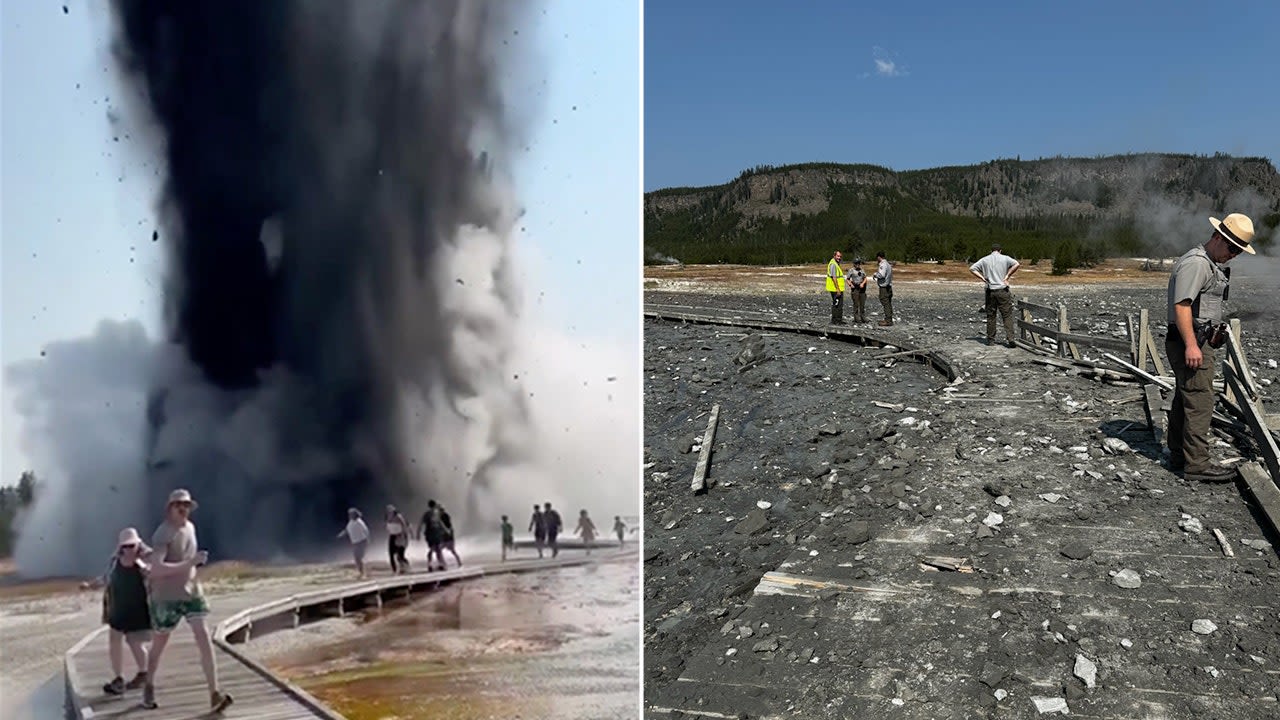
(835,286)
(1197,300)
(508,538)
(994,271)
(432,530)
(358,533)
(538,525)
(619,527)
(397,540)
(446,541)
(176,594)
(125,610)
(586,529)
(856,279)
(554,525)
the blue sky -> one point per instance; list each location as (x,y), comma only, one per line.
(729,85)
(76,219)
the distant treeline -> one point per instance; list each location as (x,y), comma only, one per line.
(863,218)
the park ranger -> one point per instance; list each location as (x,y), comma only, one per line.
(1196,306)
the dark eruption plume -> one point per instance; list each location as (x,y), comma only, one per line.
(326,163)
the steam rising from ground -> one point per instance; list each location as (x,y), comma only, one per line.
(344,323)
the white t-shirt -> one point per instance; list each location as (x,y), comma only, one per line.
(357,531)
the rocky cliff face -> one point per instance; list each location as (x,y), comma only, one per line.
(1116,186)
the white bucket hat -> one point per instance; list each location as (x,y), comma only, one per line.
(1237,228)
(128,536)
(182,495)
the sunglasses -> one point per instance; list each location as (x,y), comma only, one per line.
(130,546)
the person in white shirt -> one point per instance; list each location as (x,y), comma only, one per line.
(884,280)
(397,540)
(358,533)
(994,271)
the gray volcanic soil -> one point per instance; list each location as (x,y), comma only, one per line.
(855,626)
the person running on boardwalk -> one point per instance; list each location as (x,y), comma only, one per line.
(554,525)
(586,529)
(358,533)
(1197,300)
(508,538)
(447,540)
(856,279)
(397,540)
(125,610)
(619,527)
(538,525)
(835,286)
(994,271)
(884,280)
(176,594)
(432,530)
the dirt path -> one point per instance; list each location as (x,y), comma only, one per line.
(820,605)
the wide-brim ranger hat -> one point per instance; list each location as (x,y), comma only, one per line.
(1237,228)
(182,495)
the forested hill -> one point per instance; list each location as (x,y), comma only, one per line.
(1088,208)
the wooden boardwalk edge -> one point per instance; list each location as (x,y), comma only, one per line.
(76,708)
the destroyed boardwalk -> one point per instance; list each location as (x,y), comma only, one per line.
(936,552)
(181,692)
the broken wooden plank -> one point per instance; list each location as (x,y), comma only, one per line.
(1139,371)
(951,564)
(1235,356)
(1256,420)
(1264,491)
(699,483)
(1144,339)
(1073,339)
(1155,354)
(1029,306)
(1222,541)
(1064,328)
(1154,411)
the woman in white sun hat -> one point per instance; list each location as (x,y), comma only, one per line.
(124,609)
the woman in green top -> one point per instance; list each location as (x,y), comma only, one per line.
(124,609)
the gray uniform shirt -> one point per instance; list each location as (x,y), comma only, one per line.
(884,274)
(993,269)
(1195,276)
(853,278)
(174,545)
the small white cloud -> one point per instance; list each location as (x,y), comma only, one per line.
(886,66)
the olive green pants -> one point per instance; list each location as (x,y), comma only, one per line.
(1192,409)
(1000,301)
(886,302)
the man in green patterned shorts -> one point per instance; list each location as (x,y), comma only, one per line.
(176,594)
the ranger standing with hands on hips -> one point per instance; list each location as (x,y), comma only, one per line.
(1197,302)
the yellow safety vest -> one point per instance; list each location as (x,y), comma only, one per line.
(835,284)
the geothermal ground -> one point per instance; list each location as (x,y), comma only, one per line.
(561,644)
(841,502)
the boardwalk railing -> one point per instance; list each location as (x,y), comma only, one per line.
(238,627)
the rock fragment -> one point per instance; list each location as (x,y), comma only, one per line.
(1203,627)
(1190,524)
(1048,705)
(993,519)
(1076,551)
(1127,579)
(1086,670)
(754,522)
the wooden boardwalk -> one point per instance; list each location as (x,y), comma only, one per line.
(181,693)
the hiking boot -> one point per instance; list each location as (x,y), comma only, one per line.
(1177,464)
(1211,474)
(115,687)
(149,696)
(219,701)
(1010,343)
(138,681)
(885,323)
